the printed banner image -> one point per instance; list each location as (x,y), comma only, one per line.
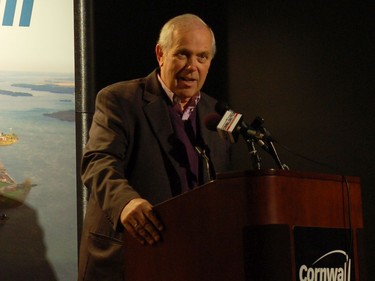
(38,216)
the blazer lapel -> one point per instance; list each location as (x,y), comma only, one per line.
(157,114)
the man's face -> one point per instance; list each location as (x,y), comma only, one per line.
(184,67)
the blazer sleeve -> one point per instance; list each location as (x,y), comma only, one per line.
(104,166)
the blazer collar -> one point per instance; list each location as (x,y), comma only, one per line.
(155,107)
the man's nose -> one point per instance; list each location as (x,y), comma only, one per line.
(191,65)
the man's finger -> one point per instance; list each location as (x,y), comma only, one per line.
(132,229)
(152,231)
(146,235)
(154,220)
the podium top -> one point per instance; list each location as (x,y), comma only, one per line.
(284,173)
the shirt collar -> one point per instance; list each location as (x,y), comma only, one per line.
(189,108)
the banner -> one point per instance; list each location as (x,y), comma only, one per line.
(38,221)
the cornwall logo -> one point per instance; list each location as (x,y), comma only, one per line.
(321,270)
(10,12)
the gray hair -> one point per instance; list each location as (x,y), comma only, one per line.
(181,22)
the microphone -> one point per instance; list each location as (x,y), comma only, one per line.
(202,153)
(231,125)
(211,120)
(225,126)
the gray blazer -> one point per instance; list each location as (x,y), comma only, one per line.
(129,154)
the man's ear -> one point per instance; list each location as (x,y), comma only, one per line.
(159,54)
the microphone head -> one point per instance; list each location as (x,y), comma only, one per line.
(211,121)
(228,127)
(222,107)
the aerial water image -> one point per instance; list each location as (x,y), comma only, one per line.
(37,176)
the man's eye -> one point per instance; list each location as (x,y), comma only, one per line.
(181,55)
(202,58)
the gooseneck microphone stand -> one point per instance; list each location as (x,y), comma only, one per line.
(256,159)
(268,140)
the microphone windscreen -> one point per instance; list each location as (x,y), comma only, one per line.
(212,120)
(222,107)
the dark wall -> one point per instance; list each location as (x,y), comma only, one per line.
(306,68)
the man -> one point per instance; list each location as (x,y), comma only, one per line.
(148,143)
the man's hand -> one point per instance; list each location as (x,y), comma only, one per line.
(141,222)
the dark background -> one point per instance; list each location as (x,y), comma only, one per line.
(306,67)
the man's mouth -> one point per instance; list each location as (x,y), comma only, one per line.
(187,79)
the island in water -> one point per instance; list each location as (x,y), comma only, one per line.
(68,115)
(8,139)
(57,87)
(14,94)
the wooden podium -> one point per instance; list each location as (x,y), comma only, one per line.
(241,227)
